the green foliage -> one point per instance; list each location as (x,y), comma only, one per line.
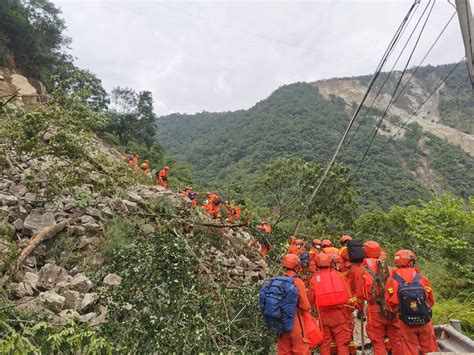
(440,232)
(289,182)
(162,295)
(445,310)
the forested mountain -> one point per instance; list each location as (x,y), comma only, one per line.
(432,154)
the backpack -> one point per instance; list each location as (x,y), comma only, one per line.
(191,195)
(278,300)
(413,308)
(378,273)
(356,251)
(304,258)
(217,201)
(329,289)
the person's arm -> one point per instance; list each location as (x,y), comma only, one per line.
(429,290)
(303,301)
(391,297)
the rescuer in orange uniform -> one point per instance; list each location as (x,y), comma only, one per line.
(232,212)
(415,337)
(328,247)
(329,293)
(162,177)
(145,167)
(265,227)
(292,248)
(300,246)
(213,205)
(295,342)
(380,321)
(192,195)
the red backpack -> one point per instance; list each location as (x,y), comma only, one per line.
(329,288)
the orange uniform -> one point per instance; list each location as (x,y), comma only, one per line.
(378,326)
(233,213)
(145,167)
(296,342)
(213,205)
(162,178)
(337,322)
(293,249)
(414,337)
(264,248)
(192,195)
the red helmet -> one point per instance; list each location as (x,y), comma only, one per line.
(323,260)
(345,238)
(299,242)
(326,243)
(290,261)
(167,168)
(404,257)
(317,241)
(372,249)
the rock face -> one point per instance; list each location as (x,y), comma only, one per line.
(50,275)
(36,222)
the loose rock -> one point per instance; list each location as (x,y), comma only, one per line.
(81,283)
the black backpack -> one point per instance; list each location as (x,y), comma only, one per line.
(413,308)
(217,201)
(356,251)
(191,195)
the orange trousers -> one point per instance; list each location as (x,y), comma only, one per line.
(378,327)
(338,326)
(418,337)
(294,342)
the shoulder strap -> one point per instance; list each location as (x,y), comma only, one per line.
(417,278)
(370,272)
(398,278)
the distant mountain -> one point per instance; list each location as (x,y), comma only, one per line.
(434,152)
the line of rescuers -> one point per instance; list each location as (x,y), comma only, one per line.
(341,284)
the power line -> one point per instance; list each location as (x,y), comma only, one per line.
(390,104)
(384,59)
(388,75)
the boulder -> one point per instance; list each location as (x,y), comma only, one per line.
(35,222)
(88,300)
(243,261)
(21,289)
(147,229)
(131,206)
(18,224)
(120,206)
(252,276)
(30,198)
(70,314)
(72,299)
(31,279)
(112,280)
(87,317)
(134,196)
(87,219)
(81,283)
(89,243)
(108,211)
(77,230)
(101,318)
(50,275)
(7,200)
(53,301)
(228,262)
(94,212)
(92,228)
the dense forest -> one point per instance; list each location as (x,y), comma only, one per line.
(297,121)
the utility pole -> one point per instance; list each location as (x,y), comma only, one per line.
(467,29)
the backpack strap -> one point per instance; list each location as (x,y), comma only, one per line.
(399,279)
(417,278)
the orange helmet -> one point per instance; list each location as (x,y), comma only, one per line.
(345,254)
(290,261)
(167,168)
(323,260)
(299,242)
(404,257)
(291,239)
(372,249)
(345,238)
(326,243)
(317,241)
(208,193)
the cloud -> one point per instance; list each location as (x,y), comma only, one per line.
(227,55)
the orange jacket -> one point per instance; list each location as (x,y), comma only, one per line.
(364,277)
(163,173)
(145,167)
(266,228)
(407,273)
(293,249)
(303,301)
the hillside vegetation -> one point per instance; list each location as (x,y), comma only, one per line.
(297,120)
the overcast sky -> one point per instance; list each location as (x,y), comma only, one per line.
(228,55)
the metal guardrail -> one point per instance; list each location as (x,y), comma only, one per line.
(452,340)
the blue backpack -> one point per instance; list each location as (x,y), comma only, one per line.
(278,300)
(413,308)
(304,258)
